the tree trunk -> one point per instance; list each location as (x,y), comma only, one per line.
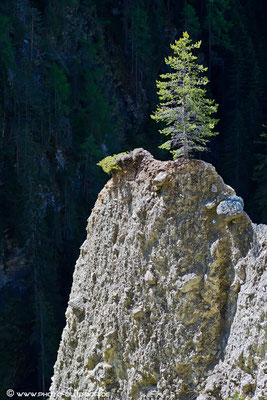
(32,34)
(125,24)
(186,154)
(185,15)
(209,23)
(184,123)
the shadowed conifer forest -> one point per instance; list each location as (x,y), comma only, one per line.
(78,83)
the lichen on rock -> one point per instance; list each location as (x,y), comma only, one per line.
(155,310)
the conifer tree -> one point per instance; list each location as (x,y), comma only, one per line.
(190,21)
(184,107)
(139,34)
(218,27)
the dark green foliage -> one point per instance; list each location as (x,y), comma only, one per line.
(260,176)
(77,84)
(243,108)
(7,50)
(218,23)
(218,28)
(191,21)
(59,86)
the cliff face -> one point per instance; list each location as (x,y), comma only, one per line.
(168,292)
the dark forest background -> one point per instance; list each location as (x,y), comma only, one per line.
(77,83)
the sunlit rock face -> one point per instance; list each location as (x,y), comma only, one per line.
(162,304)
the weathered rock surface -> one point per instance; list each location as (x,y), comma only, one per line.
(169,290)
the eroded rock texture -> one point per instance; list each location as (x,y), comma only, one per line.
(168,293)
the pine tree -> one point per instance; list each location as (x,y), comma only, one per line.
(218,28)
(184,107)
(140,34)
(191,21)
